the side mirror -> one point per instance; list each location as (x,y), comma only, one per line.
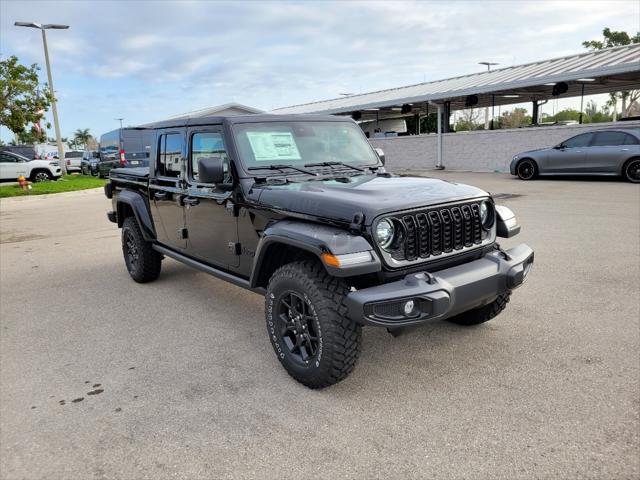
(210,170)
(560,146)
(380,155)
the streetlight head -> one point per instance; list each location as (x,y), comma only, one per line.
(27,24)
(55,26)
(488,63)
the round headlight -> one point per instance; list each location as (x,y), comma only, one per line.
(486,214)
(384,233)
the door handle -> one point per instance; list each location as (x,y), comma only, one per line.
(160,195)
(190,201)
(624,149)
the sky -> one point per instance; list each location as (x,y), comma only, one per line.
(147,60)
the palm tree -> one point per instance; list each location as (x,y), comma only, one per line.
(82,136)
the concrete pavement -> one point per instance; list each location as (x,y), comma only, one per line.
(177,379)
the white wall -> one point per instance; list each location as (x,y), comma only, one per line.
(478,150)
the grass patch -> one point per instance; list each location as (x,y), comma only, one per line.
(68,183)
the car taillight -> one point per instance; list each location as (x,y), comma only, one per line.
(123,162)
(68,162)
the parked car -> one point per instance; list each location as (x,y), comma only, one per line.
(124,148)
(13,166)
(599,152)
(27,151)
(73,159)
(301,210)
(89,163)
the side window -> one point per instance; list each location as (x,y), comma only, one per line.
(170,161)
(606,139)
(208,144)
(578,141)
(630,140)
(4,158)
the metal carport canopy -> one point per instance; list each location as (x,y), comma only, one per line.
(612,69)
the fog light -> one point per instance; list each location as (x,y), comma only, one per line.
(408,307)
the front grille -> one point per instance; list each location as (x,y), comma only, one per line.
(439,230)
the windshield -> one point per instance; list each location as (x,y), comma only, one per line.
(301,143)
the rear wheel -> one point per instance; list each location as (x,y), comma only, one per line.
(527,169)
(484,313)
(143,262)
(313,339)
(631,170)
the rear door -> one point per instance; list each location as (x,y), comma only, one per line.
(8,166)
(570,157)
(167,188)
(210,214)
(608,151)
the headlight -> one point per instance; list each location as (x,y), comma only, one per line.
(384,233)
(486,215)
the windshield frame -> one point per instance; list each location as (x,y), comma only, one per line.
(244,166)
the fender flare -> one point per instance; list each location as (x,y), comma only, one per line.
(140,207)
(315,239)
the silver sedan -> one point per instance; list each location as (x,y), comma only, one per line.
(601,152)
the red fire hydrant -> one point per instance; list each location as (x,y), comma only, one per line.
(24,183)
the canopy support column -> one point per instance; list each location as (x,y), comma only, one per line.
(439,165)
(581,103)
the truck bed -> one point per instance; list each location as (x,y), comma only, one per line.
(138,173)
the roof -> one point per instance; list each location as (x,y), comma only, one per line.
(225,109)
(235,119)
(614,69)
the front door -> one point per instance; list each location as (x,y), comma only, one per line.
(211,217)
(570,157)
(167,189)
(10,167)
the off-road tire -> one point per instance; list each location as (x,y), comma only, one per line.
(525,173)
(146,266)
(484,313)
(340,338)
(630,169)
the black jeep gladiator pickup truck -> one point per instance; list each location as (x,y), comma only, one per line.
(301,210)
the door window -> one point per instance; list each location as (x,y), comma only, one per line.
(607,139)
(4,158)
(630,139)
(208,144)
(578,141)
(171,160)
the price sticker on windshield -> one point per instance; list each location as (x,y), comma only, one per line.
(269,146)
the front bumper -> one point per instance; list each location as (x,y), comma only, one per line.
(443,294)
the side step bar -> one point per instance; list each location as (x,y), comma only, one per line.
(203,267)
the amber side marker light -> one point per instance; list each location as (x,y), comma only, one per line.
(345,260)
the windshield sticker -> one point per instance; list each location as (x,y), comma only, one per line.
(269,146)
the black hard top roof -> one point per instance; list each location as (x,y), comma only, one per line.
(234,119)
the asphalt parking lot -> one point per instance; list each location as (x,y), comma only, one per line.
(178,379)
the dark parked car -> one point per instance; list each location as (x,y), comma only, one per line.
(124,148)
(27,151)
(89,162)
(301,210)
(600,152)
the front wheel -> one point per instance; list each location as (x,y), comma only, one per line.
(527,170)
(41,176)
(143,262)
(313,339)
(631,170)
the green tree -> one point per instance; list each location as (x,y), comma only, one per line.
(515,118)
(615,39)
(22,103)
(81,137)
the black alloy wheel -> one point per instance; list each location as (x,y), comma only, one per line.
(526,170)
(632,170)
(132,255)
(297,327)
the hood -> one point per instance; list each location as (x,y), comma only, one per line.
(534,150)
(370,194)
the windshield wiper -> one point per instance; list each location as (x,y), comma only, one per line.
(329,164)
(281,167)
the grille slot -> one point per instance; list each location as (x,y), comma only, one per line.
(441,230)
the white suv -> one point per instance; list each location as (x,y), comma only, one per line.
(73,159)
(13,165)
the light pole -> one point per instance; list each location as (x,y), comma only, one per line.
(54,108)
(120,122)
(486,109)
